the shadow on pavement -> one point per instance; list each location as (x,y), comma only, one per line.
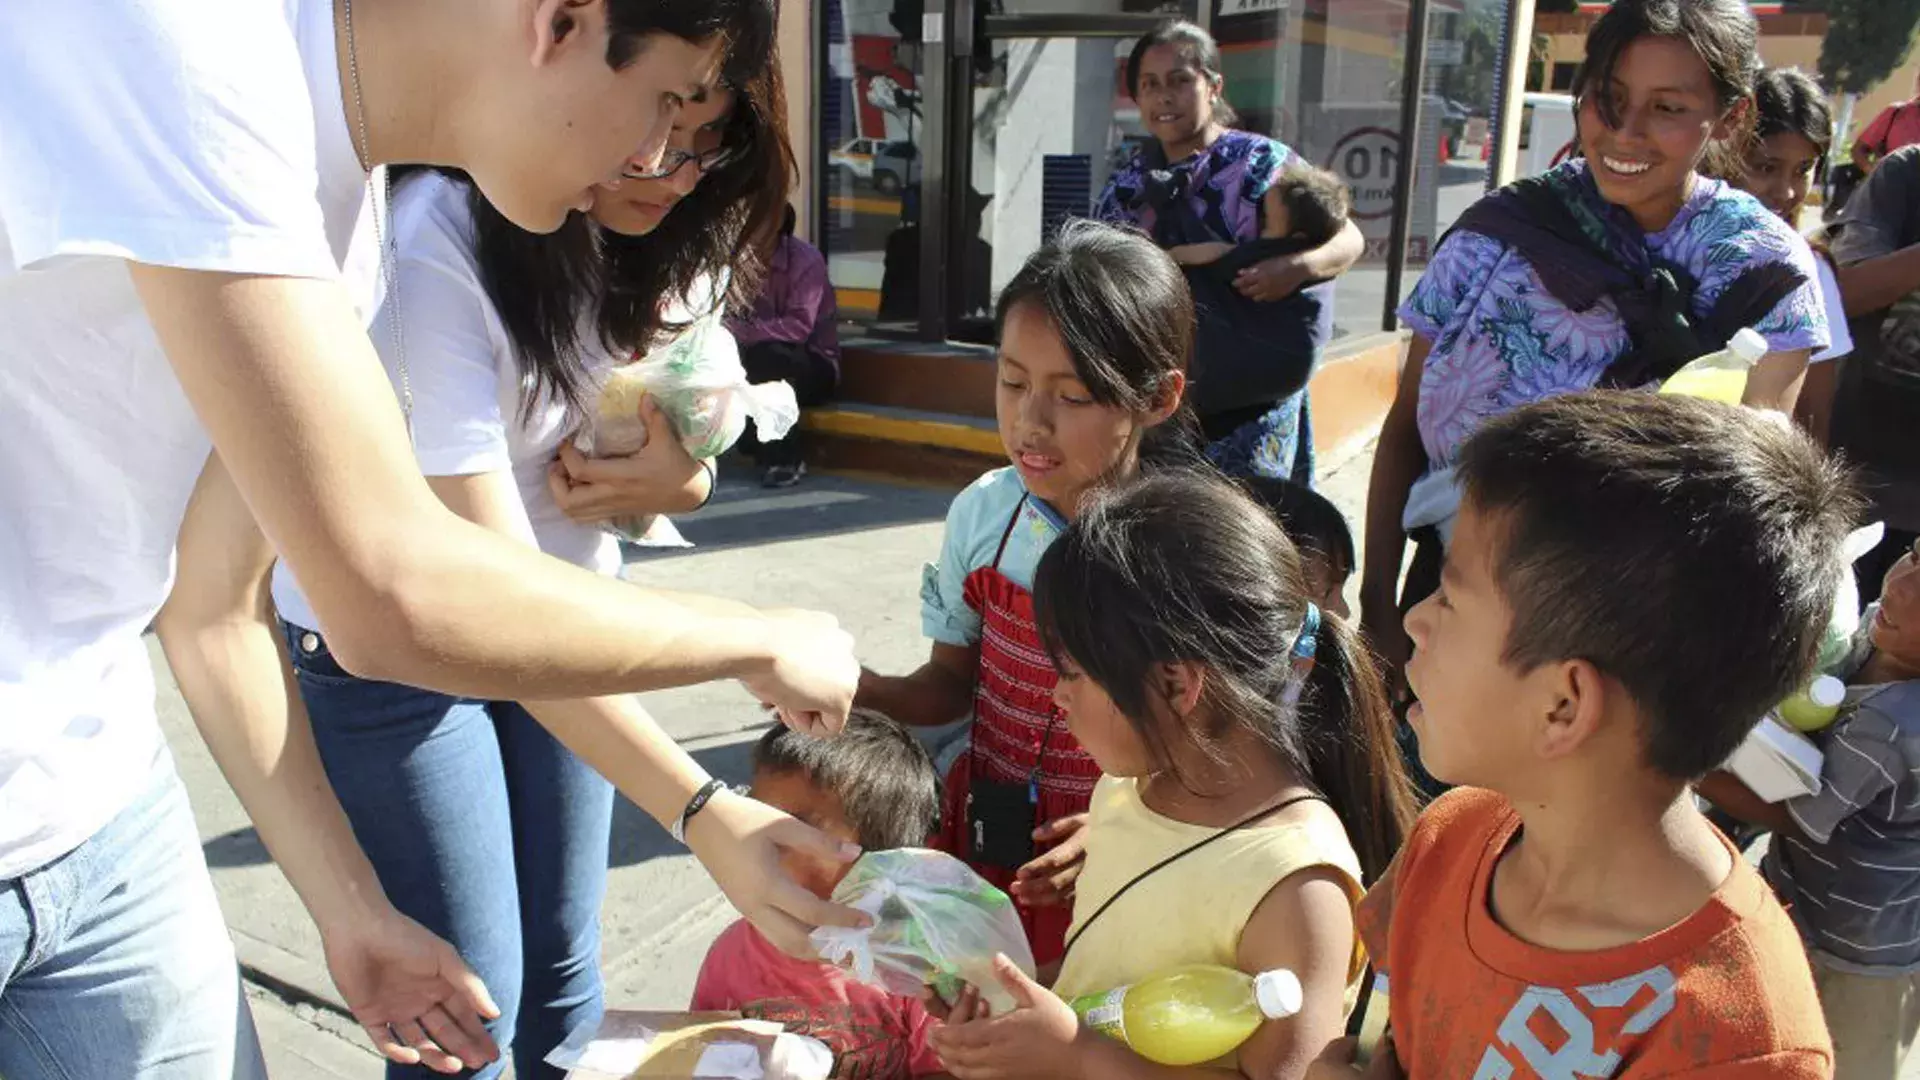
(743,513)
(636,838)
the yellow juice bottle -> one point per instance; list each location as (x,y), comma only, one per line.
(1720,376)
(1816,706)
(1191,1015)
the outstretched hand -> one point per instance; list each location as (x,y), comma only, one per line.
(417,1000)
(814,675)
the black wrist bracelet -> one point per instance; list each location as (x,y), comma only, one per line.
(694,805)
(713,482)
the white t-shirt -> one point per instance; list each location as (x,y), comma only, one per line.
(467,381)
(171,132)
(1836,313)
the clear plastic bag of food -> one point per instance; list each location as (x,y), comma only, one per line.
(698,381)
(936,923)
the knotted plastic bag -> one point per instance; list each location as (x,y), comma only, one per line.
(698,381)
(1836,641)
(936,923)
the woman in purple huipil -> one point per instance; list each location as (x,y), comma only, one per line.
(1227,180)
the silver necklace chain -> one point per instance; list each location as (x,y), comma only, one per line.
(383,208)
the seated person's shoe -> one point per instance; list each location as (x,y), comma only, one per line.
(784,476)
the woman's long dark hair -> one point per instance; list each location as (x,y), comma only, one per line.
(1183,567)
(544,287)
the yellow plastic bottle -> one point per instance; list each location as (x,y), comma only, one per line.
(1816,706)
(1191,1015)
(1720,376)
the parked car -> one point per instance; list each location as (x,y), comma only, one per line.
(1547,132)
(853,159)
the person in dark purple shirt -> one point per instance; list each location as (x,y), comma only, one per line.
(790,335)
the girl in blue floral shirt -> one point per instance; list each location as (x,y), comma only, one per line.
(1610,270)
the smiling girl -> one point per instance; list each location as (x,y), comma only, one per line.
(1793,129)
(1610,270)
(1094,336)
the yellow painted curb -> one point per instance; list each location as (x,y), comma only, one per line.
(963,437)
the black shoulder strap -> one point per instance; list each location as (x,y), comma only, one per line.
(1176,857)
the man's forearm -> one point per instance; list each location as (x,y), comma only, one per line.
(218,633)
(234,676)
(306,421)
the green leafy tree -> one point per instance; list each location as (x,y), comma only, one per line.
(1867,40)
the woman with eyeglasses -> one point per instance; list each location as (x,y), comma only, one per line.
(479,820)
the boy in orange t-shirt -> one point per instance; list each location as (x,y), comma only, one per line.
(1631,581)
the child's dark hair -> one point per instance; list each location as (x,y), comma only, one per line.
(1182,566)
(1788,101)
(1317,202)
(1309,518)
(1723,33)
(1688,549)
(744,27)
(1125,313)
(876,768)
(1195,46)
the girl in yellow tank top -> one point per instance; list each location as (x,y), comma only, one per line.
(1252,781)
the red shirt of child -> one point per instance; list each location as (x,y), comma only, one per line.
(874,1035)
(1724,993)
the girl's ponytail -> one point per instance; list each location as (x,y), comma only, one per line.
(1183,567)
(1347,733)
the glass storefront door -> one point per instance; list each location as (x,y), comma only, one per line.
(1048,117)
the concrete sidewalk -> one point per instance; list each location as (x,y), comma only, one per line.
(850,546)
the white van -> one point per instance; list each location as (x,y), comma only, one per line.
(1547,132)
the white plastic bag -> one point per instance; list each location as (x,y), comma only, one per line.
(1836,642)
(936,923)
(697,379)
(706,1046)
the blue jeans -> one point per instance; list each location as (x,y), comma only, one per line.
(114,960)
(483,828)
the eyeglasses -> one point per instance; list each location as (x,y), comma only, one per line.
(670,161)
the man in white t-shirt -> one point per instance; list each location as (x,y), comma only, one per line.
(182,254)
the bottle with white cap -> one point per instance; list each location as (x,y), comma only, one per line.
(1816,706)
(1720,376)
(1191,1015)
